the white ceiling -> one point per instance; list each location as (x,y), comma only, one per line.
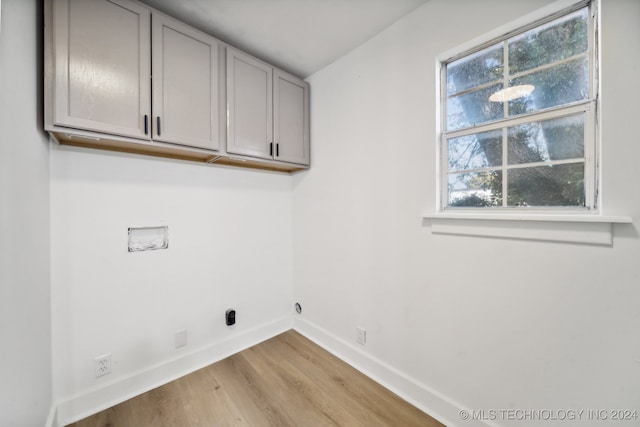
(300,36)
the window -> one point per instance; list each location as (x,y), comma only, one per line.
(519,119)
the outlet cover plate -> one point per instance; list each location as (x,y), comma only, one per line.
(361,335)
(181,338)
(102,365)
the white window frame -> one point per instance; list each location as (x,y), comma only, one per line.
(567,225)
(588,107)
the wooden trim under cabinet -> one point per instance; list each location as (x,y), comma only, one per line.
(159,149)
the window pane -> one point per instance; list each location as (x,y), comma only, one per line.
(558,185)
(475,189)
(562,84)
(475,151)
(556,139)
(476,69)
(473,108)
(493,137)
(555,41)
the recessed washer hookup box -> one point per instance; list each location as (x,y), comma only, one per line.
(148,238)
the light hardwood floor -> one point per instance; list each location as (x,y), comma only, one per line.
(284,381)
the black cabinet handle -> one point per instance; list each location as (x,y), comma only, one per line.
(158,126)
(146,124)
(271,149)
(277,150)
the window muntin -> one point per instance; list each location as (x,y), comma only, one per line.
(535,149)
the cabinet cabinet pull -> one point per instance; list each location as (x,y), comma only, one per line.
(271,149)
(146,124)
(277,150)
(158,126)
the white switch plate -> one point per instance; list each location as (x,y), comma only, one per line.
(181,338)
(361,335)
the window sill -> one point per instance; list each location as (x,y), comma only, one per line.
(573,228)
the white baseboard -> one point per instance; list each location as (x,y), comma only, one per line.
(421,396)
(52,419)
(91,401)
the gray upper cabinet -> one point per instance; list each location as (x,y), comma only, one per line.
(103,75)
(185,85)
(250,105)
(119,75)
(268,111)
(290,118)
(102,66)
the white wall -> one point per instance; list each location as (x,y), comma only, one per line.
(230,240)
(25,327)
(479,323)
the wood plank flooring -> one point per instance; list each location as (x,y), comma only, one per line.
(284,381)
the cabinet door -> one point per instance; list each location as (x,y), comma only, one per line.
(291,118)
(185,85)
(102,68)
(249,105)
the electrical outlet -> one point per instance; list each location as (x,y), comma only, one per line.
(361,335)
(102,365)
